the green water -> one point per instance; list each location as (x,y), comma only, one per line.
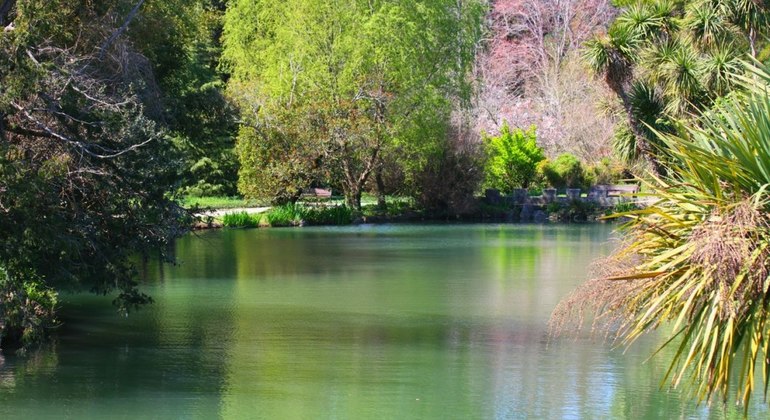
(364,322)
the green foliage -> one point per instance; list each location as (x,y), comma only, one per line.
(281,158)
(332,215)
(698,259)
(181,40)
(241,220)
(85,166)
(329,90)
(668,60)
(445,186)
(566,171)
(286,215)
(298,215)
(607,172)
(27,308)
(573,211)
(623,207)
(512,158)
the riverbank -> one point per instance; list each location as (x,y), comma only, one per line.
(558,211)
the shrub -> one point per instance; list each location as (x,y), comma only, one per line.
(565,172)
(696,261)
(447,184)
(607,172)
(27,309)
(574,211)
(512,158)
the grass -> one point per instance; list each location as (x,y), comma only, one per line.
(241,220)
(220,202)
(291,215)
(286,215)
(396,206)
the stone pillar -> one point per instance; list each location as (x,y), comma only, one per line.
(549,195)
(573,194)
(492,196)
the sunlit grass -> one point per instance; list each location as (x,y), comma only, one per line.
(221,202)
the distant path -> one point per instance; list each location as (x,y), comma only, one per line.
(222,212)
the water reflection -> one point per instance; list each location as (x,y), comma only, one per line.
(358,322)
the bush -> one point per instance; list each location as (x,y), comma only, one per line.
(574,211)
(564,172)
(607,172)
(298,215)
(512,158)
(447,184)
(27,310)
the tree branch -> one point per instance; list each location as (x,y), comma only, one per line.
(131,15)
(48,132)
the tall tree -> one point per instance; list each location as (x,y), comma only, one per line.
(368,71)
(84,169)
(667,60)
(182,40)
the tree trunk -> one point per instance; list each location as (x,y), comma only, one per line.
(621,89)
(381,204)
(5,10)
(353,198)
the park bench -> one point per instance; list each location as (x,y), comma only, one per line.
(316,193)
(626,189)
(599,191)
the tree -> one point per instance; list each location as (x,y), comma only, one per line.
(366,69)
(84,171)
(512,158)
(532,74)
(182,41)
(667,60)
(697,260)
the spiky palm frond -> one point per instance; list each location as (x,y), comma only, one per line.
(648,107)
(658,55)
(721,64)
(682,79)
(641,20)
(625,144)
(707,22)
(698,259)
(613,55)
(749,14)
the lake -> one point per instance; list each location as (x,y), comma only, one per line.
(360,322)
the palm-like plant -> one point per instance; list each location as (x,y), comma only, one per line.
(708,22)
(698,259)
(685,49)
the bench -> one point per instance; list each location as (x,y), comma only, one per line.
(317,193)
(627,189)
(599,191)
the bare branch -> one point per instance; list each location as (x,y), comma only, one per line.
(120,30)
(80,145)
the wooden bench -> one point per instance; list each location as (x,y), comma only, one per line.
(598,191)
(316,193)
